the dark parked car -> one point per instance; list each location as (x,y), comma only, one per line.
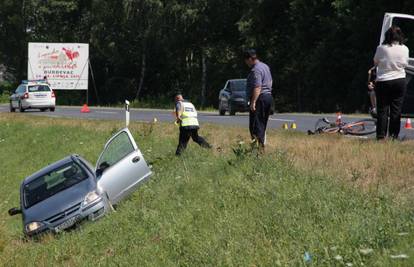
(71,190)
(233,97)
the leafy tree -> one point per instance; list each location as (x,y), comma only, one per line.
(318,50)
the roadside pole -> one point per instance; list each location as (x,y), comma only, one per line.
(127,113)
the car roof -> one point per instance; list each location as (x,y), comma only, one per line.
(48,169)
(34,82)
(237,80)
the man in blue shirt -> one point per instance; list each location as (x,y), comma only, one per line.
(259,91)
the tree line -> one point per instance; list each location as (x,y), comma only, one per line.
(319,50)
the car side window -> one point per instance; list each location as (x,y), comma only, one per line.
(116,150)
(231,87)
(227,88)
(407,26)
(18,90)
(39,88)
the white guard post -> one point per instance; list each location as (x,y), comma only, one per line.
(127,113)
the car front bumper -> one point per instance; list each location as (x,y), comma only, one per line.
(239,105)
(92,212)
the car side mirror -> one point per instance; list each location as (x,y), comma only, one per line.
(102,167)
(14,211)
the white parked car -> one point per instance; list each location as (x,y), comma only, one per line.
(33,95)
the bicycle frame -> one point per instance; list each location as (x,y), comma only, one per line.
(342,128)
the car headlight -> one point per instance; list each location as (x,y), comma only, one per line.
(33,226)
(90,198)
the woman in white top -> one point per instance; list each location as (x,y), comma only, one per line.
(391,60)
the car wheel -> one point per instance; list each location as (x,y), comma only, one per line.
(222,111)
(21,107)
(52,109)
(12,109)
(111,207)
(232,111)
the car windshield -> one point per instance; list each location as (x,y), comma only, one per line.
(52,183)
(238,86)
(39,88)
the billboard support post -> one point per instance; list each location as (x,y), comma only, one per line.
(87,96)
(30,67)
(93,81)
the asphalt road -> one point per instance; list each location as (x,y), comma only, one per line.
(304,122)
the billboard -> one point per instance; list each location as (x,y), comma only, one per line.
(64,65)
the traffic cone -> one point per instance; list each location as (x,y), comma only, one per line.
(294,126)
(408,124)
(285,126)
(85,109)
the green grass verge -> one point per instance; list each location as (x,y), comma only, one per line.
(202,209)
(4,98)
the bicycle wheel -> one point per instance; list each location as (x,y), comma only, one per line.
(323,126)
(362,127)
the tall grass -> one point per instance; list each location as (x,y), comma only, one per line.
(4,98)
(218,208)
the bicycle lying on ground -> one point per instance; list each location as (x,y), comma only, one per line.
(358,128)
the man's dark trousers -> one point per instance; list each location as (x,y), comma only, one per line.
(260,117)
(185,134)
(390,98)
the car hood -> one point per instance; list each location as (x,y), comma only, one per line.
(60,202)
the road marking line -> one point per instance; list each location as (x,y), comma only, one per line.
(107,112)
(215,117)
(282,120)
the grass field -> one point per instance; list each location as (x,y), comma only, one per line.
(346,202)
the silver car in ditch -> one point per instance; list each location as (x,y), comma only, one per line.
(72,190)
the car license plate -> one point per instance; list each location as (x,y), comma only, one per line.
(67,224)
(40,95)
